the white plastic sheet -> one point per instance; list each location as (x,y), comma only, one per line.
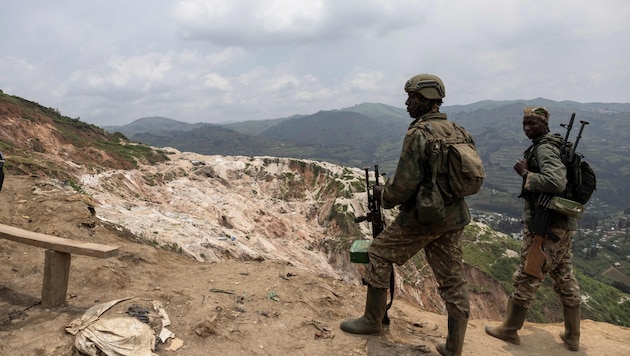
(121,336)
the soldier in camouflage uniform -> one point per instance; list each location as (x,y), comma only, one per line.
(543,172)
(406,236)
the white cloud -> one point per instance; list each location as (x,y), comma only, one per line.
(216,81)
(218,60)
(277,22)
(367,81)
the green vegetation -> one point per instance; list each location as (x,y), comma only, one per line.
(344,220)
(76,186)
(349,230)
(96,148)
(173,247)
(273,296)
(486,250)
(604,303)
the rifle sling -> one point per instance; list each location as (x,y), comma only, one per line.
(386,319)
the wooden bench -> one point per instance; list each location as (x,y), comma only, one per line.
(57,259)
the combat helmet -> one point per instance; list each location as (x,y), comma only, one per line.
(428,85)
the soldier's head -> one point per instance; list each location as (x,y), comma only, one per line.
(535,121)
(425,93)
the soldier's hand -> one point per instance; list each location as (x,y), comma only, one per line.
(521,167)
(377,191)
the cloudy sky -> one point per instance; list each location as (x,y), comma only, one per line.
(112,62)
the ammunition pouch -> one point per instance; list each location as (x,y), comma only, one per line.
(567,207)
(430,204)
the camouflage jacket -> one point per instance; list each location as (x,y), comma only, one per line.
(547,175)
(413,168)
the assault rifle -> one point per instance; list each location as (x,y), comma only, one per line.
(565,150)
(536,257)
(374,216)
(375,212)
(567,153)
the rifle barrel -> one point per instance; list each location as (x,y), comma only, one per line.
(563,151)
(577,139)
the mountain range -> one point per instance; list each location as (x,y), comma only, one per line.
(371,134)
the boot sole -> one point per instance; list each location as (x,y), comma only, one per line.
(354,332)
(504,338)
(566,343)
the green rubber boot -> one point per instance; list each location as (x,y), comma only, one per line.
(455,338)
(513,322)
(571,334)
(372,320)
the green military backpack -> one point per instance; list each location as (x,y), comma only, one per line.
(455,169)
(456,165)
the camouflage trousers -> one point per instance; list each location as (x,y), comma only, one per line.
(397,244)
(558,265)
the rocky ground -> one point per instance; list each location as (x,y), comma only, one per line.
(251,295)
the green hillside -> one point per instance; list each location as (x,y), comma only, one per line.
(95,147)
(256,127)
(487,250)
(218,140)
(153,124)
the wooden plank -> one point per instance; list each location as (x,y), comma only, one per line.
(57,243)
(56,275)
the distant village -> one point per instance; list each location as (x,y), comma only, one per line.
(601,244)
